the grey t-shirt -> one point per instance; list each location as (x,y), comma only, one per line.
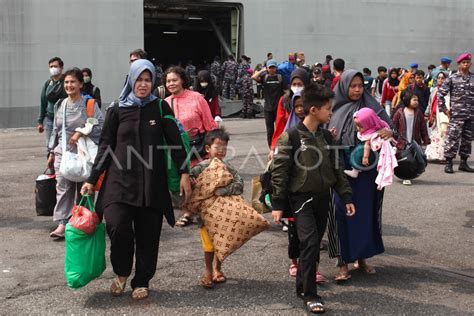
(410,119)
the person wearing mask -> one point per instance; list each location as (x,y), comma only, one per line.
(443,67)
(70,116)
(273,88)
(90,89)
(339,65)
(52,91)
(377,85)
(389,90)
(192,110)
(135,196)
(205,86)
(360,237)
(460,86)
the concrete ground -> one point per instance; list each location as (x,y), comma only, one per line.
(427,267)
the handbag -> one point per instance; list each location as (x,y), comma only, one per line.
(411,162)
(74,167)
(84,219)
(197,143)
(45,193)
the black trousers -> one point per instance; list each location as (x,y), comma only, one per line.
(134,230)
(293,242)
(270,118)
(311,214)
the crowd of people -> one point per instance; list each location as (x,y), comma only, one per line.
(305,108)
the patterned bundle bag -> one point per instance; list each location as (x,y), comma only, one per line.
(229,220)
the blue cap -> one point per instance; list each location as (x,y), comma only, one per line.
(413,65)
(272,63)
(446,60)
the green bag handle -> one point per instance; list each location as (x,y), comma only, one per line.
(87,203)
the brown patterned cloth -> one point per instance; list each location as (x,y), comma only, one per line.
(229,220)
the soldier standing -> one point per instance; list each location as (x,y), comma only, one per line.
(216,74)
(461,115)
(247,94)
(244,65)
(229,74)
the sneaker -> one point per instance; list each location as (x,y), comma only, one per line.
(406,182)
(293,270)
(58,232)
(352,173)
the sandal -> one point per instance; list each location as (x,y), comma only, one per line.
(368,269)
(184,221)
(320,278)
(315,307)
(140,293)
(342,276)
(117,288)
(219,277)
(206,281)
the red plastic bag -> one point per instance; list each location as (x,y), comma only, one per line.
(84,219)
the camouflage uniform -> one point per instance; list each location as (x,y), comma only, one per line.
(247,95)
(229,74)
(241,72)
(461,89)
(216,75)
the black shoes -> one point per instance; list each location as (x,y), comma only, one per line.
(449,166)
(464,166)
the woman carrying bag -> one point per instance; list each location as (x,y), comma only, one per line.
(134,195)
(70,114)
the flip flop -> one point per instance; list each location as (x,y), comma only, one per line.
(184,221)
(342,276)
(140,293)
(117,288)
(315,307)
(206,282)
(219,277)
(366,268)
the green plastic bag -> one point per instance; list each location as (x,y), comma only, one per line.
(172,171)
(85,255)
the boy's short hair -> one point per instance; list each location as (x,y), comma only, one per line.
(139,52)
(367,71)
(59,60)
(382,68)
(339,64)
(218,133)
(420,73)
(431,67)
(315,95)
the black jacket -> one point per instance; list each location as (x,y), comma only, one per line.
(136,173)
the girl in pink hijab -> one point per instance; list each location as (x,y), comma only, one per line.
(368,124)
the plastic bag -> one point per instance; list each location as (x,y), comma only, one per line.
(45,193)
(82,218)
(84,260)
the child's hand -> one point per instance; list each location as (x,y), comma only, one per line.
(365,161)
(350,209)
(333,132)
(277,215)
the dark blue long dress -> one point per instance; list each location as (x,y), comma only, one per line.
(360,236)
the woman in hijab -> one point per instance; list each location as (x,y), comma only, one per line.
(204,85)
(389,90)
(359,237)
(299,80)
(134,195)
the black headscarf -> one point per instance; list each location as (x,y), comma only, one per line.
(344,109)
(303,75)
(210,91)
(391,81)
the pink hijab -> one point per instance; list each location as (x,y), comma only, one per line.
(369,121)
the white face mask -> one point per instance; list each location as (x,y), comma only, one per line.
(87,79)
(297,89)
(54,71)
(204,84)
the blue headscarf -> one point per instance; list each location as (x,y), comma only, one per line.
(127,97)
(293,119)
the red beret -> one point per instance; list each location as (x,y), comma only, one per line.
(462,57)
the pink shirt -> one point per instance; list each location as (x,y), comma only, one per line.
(192,110)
